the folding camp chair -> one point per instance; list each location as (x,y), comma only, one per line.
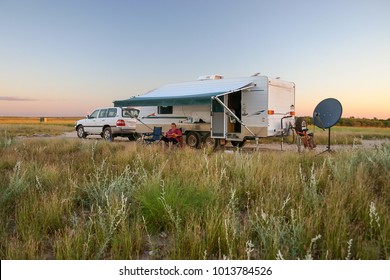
(155,136)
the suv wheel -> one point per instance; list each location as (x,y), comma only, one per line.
(80,132)
(107,134)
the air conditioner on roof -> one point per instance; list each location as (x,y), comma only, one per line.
(210,77)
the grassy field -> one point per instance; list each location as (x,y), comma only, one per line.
(9,131)
(37,120)
(340,135)
(348,135)
(11,127)
(89,199)
(28,126)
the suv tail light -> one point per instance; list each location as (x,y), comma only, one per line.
(120,123)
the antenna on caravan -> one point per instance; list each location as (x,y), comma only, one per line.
(327,114)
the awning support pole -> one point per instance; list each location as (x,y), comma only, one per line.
(138,119)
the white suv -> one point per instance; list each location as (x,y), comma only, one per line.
(109,123)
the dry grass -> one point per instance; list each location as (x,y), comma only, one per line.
(350,135)
(87,199)
(340,135)
(37,120)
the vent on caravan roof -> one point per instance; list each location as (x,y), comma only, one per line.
(210,77)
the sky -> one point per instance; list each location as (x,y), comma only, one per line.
(65,58)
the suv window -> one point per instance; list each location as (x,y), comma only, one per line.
(103,113)
(94,114)
(111,112)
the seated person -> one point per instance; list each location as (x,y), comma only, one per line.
(172,136)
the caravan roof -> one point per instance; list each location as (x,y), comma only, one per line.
(190,93)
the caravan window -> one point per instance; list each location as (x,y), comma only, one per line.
(130,113)
(165,110)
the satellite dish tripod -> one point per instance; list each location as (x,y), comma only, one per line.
(328,146)
(317,117)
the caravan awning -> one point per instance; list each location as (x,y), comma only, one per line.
(184,94)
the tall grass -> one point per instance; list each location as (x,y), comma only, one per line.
(86,199)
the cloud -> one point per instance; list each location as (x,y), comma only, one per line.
(11,98)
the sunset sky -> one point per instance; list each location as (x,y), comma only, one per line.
(64,58)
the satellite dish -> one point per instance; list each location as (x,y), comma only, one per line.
(327,113)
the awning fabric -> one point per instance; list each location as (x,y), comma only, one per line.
(185,94)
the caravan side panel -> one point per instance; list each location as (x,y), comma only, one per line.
(255,108)
(186,117)
(281,100)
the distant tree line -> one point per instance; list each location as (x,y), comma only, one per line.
(364,122)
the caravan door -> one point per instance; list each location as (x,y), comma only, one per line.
(218,119)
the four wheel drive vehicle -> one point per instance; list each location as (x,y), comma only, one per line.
(109,123)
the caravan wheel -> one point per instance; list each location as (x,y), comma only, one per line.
(193,139)
(210,142)
(134,136)
(238,144)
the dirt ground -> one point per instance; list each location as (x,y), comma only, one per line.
(366,144)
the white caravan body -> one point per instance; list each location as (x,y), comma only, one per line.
(232,109)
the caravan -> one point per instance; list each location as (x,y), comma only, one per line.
(214,110)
